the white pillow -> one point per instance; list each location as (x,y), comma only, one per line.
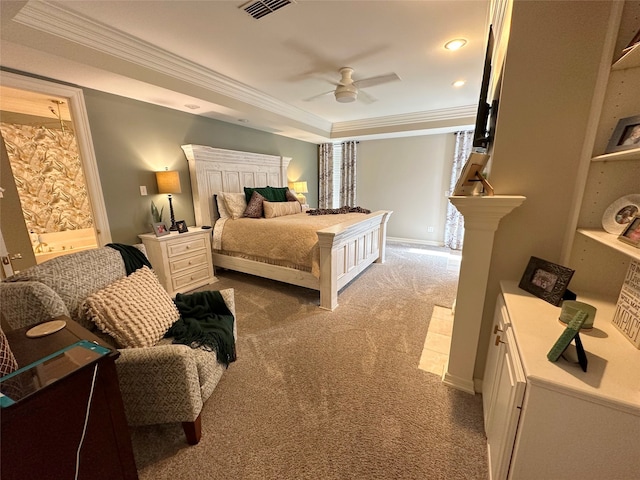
(279,209)
(222,209)
(135,310)
(236,204)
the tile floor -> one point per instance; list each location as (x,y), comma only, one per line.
(435,353)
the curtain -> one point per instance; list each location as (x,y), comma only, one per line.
(454,224)
(348,174)
(325,181)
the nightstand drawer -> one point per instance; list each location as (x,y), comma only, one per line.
(178,248)
(189,261)
(194,276)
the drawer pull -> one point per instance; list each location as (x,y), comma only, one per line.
(496,329)
(498,341)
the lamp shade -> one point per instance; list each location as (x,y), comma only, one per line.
(300,187)
(168,182)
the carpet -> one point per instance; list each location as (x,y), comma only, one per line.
(331,395)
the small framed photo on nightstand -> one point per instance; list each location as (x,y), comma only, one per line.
(160,229)
(631,234)
(182,226)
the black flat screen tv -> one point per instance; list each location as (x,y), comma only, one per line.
(481,136)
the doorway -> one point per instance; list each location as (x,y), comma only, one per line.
(68,113)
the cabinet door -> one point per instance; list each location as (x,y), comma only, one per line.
(500,319)
(505,409)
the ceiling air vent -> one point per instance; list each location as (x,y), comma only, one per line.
(261,8)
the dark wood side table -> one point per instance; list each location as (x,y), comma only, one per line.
(41,433)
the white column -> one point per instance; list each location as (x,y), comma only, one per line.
(482,214)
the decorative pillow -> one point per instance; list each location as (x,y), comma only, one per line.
(218,201)
(254,207)
(236,204)
(272,194)
(279,209)
(136,310)
(291,197)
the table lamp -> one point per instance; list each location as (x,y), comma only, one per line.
(169,182)
(300,188)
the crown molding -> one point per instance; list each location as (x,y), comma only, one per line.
(432,116)
(58,21)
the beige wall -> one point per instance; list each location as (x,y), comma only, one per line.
(410,176)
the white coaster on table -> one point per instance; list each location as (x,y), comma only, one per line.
(46,328)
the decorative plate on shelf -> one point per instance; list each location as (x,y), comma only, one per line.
(618,215)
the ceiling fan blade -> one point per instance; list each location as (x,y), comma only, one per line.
(315,97)
(373,81)
(365,97)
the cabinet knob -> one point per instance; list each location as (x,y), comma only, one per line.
(496,329)
(498,341)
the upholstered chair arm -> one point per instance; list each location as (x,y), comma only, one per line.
(159,384)
(27,303)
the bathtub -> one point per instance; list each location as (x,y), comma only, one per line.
(51,245)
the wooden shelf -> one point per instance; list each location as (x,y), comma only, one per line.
(631,59)
(632,154)
(611,241)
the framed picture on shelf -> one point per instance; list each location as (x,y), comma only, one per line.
(626,135)
(546,280)
(631,234)
(182,226)
(160,229)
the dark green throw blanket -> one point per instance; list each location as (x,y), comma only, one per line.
(133,258)
(205,321)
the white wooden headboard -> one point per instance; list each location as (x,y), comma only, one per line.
(215,170)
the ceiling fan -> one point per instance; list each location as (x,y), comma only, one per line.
(347,89)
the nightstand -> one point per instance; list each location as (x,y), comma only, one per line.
(182,261)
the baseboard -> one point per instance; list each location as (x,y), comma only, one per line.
(412,241)
(477,384)
(458,383)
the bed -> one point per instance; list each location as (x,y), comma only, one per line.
(344,249)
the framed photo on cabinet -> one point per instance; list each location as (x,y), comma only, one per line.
(626,135)
(631,234)
(546,280)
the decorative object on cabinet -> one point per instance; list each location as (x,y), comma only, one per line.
(160,229)
(572,332)
(571,307)
(626,135)
(618,215)
(546,280)
(169,183)
(181,225)
(471,176)
(631,234)
(156,214)
(626,317)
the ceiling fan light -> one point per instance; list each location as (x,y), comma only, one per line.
(346,96)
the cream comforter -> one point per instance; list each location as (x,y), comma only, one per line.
(290,240)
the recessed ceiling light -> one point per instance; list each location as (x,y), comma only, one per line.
(455,44)
(458,83)
(192,106)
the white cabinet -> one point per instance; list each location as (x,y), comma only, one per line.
(503,392)
(571,424)
(182,261)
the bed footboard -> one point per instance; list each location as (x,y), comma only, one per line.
(346,250)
